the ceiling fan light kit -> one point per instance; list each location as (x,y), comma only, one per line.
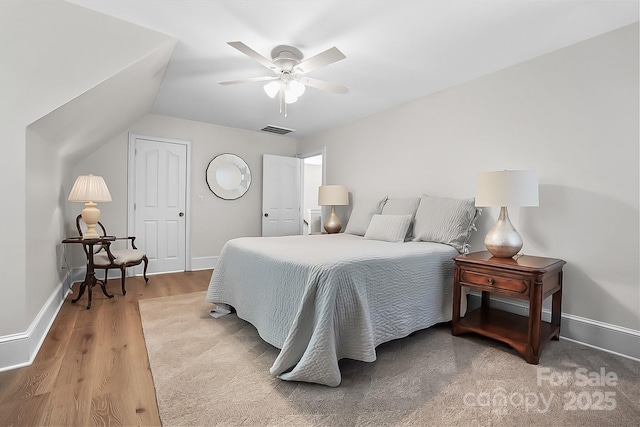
(288,66)
(292,90)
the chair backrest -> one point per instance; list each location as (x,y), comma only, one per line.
(96,248)
(79,223)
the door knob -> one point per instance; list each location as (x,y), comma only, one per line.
(181,214)
(266,215)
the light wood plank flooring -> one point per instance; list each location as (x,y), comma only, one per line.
(92,368)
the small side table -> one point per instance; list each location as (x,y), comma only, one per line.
(526,278)
(90,279)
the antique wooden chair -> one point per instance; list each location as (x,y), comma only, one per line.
(106,258)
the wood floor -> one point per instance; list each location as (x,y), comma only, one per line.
(92,368)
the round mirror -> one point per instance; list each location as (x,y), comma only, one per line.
(228,176)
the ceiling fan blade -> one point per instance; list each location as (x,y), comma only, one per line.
(325,58)
(253,54)
(251,79)
(322,85)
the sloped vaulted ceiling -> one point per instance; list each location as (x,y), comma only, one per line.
(396,51)
(86,76)
(87,121)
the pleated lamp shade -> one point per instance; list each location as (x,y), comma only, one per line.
(90,189)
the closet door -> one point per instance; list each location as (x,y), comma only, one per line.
(281,195)
(160,203)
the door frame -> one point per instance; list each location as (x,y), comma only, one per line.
(131,173)
(319,152)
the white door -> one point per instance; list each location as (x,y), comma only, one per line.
(281,195)
(160,202)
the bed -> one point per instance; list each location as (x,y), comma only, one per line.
(322,298)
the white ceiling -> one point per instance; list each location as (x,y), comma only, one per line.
(396,51)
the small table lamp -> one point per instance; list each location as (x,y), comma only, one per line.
(90,189)
(333,195)
(506,188)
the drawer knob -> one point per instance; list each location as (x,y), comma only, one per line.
(490,281)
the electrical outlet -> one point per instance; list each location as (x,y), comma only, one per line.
(61,256)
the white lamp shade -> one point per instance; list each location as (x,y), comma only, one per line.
(333,195)
(272,88)
(507,188)
(89,188)
(289,98)
(296,88)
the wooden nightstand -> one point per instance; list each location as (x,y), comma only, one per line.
(527,278)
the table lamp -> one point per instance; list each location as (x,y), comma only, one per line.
(506,188)
(90,189)
(333,195)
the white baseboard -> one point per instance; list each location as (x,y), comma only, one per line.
(18,350)
(204,263)
(200,263)
(592,333)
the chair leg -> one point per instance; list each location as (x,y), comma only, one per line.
(122,276)
(106,276)
(144,274)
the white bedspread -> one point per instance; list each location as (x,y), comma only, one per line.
(326,297)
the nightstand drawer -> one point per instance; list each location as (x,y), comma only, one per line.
(514,285)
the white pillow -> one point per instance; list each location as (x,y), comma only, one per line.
(403,206)
(389,228)
(361,215)
(445,220)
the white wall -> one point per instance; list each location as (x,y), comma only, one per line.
(572,115)
(213,220)
(312,181)
(43,86)
(40,73)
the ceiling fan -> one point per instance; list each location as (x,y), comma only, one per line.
(289,81)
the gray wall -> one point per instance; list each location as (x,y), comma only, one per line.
(572,115)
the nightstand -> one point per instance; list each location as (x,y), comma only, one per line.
(526,278)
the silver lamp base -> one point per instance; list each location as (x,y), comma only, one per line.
(503,240)
(332,224)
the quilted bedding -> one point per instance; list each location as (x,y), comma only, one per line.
(326,297)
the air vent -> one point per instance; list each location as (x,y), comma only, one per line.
(276,129)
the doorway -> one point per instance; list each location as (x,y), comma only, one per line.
(313,177)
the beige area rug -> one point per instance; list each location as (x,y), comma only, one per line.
(216,372)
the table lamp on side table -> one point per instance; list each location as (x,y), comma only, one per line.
(333,195)
(90,189)
(506,188)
